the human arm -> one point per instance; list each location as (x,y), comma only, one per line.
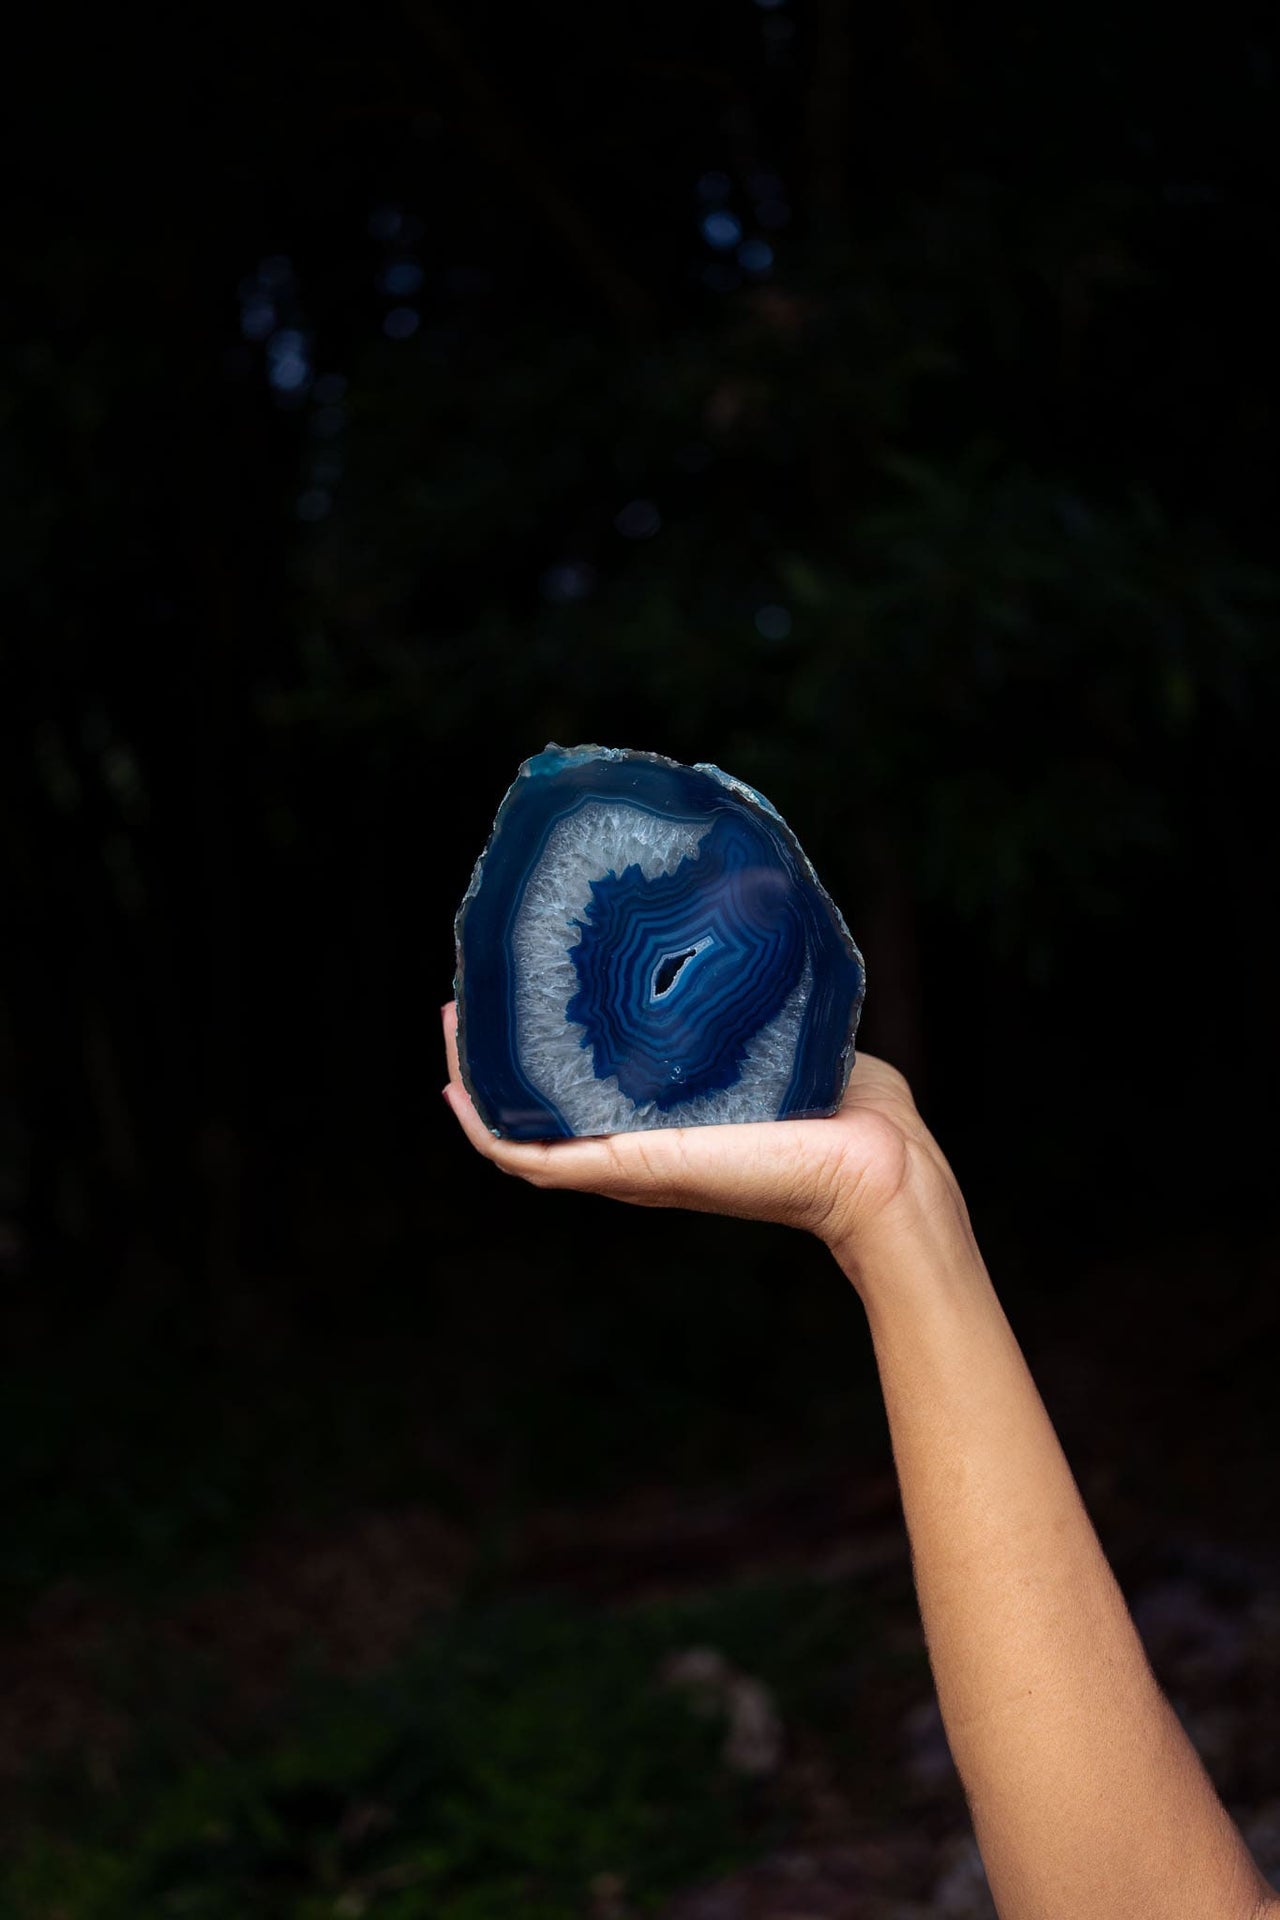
(1089,1802)
(1087,1797)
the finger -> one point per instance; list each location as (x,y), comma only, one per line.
(462,1107)
(456,1094)
(449,1015)
(875,1082)
(870,1070)
(584,1164)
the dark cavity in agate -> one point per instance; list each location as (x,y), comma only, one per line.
(670,967)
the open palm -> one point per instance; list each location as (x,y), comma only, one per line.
(831,1177)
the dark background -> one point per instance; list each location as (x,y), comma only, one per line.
(880,404)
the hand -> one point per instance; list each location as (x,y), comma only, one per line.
(870,1163)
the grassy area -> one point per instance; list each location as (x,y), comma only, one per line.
(513,1757)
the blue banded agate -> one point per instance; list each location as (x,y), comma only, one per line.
(644,944)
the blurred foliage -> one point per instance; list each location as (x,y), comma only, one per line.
(518,1753)
(386,431)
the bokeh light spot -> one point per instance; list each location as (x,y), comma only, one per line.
(401,323)
(721,229)
(257,318)
(639,520)
(756,256)
(288,368)
(773,623)
(401,277)
(569,581)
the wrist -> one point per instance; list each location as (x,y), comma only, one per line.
(919,1236)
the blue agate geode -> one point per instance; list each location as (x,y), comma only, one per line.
(644,944)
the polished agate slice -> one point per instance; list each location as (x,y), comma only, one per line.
(644,944)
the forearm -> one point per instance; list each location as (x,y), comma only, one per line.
(1088,1799)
